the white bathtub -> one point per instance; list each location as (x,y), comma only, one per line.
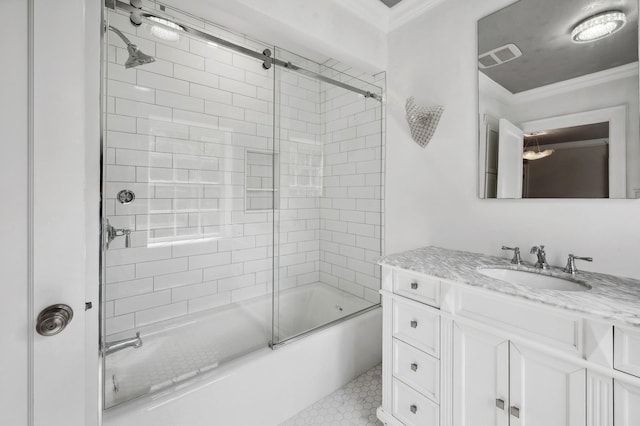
(262,388)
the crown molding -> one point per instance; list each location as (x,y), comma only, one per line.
(388,19)
(487,85)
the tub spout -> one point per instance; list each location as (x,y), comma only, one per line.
(118,345)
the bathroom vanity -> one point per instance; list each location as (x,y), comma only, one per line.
(463,348)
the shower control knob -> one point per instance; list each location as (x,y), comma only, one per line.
(53,319)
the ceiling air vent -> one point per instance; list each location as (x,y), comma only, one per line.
(499,56)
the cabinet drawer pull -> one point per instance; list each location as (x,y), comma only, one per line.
(414,286)
(515,412)
(500,403)
(414,409)
(414,324)
(414,367)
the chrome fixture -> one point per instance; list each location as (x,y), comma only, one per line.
(542,257)
(113,232)
(53,319)
(136,57)
(516,260)
(126,196)
(571,263)
(118,345)
(264,56)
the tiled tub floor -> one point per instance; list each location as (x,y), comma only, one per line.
(354,404)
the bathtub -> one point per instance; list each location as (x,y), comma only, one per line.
(188,373)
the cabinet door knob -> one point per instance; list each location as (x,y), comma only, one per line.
(414,286)
(500,403)
(414,367)
(515,412)
(414,324)
(414,409)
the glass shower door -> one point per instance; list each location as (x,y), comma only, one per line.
(328,225)
(188,184)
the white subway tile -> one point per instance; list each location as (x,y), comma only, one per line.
(130,91)
(129,288)
(179,56)
(210,94)
(224,70)
(209,260)
(164,282)
(195,247)
(177,101)
(129,157)
(193,291)
(121,123)
(161,267)
(143,301)
(237,87)
(162,128)
(161,313)
(233,283)
(209,302)
(224,110)
(249,254)
(195,76)
(195,119)
(157,81)
(119,323)
(136,254)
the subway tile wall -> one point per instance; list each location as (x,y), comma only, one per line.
(188,133)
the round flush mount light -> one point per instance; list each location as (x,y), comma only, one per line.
(167,30)
(599,26)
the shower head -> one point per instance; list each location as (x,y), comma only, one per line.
(136,56)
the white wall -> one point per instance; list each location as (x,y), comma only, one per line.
(431,193)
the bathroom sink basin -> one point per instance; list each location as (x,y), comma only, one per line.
(534,280)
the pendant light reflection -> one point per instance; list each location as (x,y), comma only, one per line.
(167,30)
(531,154)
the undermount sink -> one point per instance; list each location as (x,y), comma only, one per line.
(534,279)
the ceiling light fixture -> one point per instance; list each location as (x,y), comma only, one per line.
(167,30)
(598,26)
(530,154)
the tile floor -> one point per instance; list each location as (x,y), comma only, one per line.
(354,404)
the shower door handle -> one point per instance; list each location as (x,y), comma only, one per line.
(53,319)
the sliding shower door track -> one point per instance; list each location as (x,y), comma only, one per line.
(264,56)
(304,334)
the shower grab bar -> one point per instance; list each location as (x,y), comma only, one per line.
(118,345)
(264,56)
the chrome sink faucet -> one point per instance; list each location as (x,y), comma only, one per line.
(542,257)
(516,260)
(571,263)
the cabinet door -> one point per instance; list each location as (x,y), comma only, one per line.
(626,404)
(545,391)
(481,378)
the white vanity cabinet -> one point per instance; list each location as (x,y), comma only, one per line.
(458,355)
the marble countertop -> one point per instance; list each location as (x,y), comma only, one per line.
(610,297)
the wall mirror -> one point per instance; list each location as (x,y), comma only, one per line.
(558,100)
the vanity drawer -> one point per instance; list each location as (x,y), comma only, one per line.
(417,369)
(411,408)
(417,326)
(418,287)
(626,350)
